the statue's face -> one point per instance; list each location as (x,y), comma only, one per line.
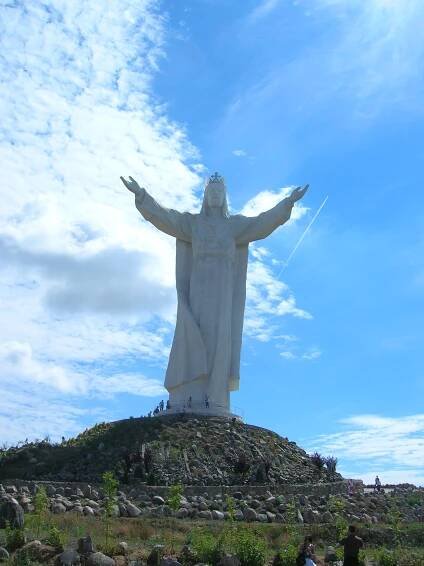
(215,195)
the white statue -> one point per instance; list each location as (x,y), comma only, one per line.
(211,266)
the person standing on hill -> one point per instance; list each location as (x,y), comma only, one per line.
(352,544)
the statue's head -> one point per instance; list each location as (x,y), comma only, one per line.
(215,195)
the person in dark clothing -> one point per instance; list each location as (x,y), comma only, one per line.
(352,544)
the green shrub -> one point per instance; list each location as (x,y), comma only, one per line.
(206,546)
(409,557)
(287,556)
(384,557)
(231,510)
(248,546)
(110,488)
(41,507)
(175,496)
(55,537)
(15,538)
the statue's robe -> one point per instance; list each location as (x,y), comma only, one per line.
(211,267)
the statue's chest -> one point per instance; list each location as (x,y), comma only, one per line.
(213,237)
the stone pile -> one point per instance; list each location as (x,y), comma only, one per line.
(268,507)
(167,450)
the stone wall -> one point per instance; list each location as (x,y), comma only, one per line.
(322,489)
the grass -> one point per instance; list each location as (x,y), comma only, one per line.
(142,534)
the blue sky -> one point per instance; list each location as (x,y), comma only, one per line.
(272,94)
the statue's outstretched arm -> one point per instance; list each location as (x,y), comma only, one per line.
(264,224)
(167,220)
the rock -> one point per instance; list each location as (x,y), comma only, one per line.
(217,515)
(270,516)
(4,555)
(88,511)
(100,559)
(205,515)
(11,512)
(299,517)
(182,513)
(249,514)
(238,495)
(132,510)
(37,552)
(308,516)
(327,517)
(255,504)
(229,560)
(122,548)
(69,557)
(85,545)
(158,500)
(238,515)
(262,517)
(168,561)
(155,556)
(187,555)
(330,555)
(57,507)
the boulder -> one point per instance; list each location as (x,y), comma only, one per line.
(155,556)
(69,557)
(88,511)
(330,555)
(100,559)
(327,517)
(168,561)
(182,513)
(11,512)
(229,560)
(270,516)
(133,510)
(4,555)
(249,514)
(217,515)
(85,545)
(158,500)
(123,548)
(205,515)
(57,507)
(35,551)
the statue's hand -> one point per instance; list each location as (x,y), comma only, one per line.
(298,193)
(133,186)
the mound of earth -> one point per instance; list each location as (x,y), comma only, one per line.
(165,450)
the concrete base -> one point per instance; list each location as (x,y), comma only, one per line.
(200,409)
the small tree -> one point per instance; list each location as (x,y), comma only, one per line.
(175,495)
(318,460)
(331,464)
(110,488)
(231,510)
(41,506)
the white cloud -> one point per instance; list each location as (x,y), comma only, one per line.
(239,153)
(377,56)
(267,298)
(263,9)
(85,282)
(80,282)
(265,200)
(394,446)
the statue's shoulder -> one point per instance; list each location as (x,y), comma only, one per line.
(239,219)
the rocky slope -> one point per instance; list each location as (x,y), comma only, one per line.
(166,450)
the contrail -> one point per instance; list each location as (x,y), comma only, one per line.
(286,263)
